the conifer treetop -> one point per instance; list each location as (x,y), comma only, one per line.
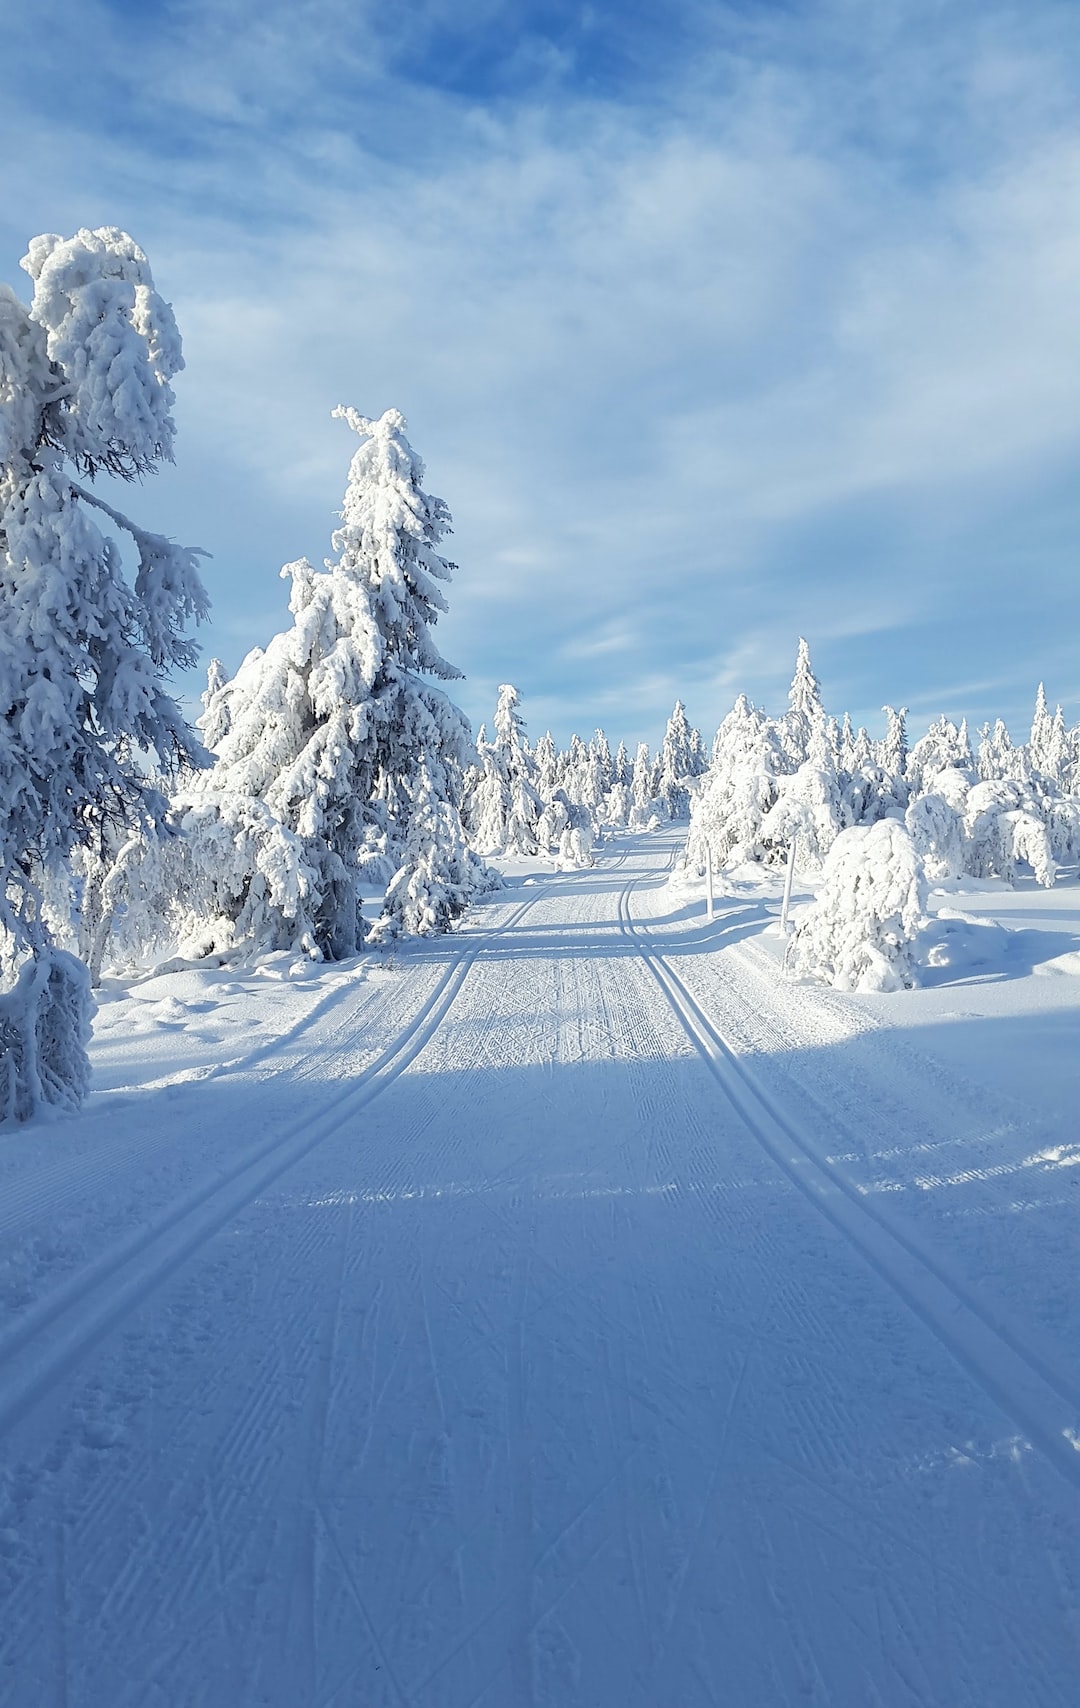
(389,530)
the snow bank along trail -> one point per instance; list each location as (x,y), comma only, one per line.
(529,1350)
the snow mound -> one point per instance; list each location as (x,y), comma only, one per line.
(961,943)
(1067,965)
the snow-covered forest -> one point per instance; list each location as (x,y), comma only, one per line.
(334,766)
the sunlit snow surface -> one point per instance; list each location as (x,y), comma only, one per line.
(566,1312)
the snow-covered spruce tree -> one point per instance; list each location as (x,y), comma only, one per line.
(845,744)
(84,652)
(859,933)
(619,802)
(644,811)
(337,734)
(1003,830)
(568,821)
(998,758)
(439,874)
(545,766)
(936,827)
(605,763)
(599,779)
(1056,760)
(894,747)
(804,708)
(874,780)
(741,786)
(810,806)
(699,759)
(502,807)
(944,745)
(678,764)
(574,772)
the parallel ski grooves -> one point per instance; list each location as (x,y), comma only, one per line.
(1043,1402)
(78,1314)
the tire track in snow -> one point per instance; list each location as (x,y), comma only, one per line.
(1041,1401)
(51,1338)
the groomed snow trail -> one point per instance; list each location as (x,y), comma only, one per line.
(512,1338)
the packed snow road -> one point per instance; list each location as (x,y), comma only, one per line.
(521,1328)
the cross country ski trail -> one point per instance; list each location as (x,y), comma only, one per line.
(528,1349)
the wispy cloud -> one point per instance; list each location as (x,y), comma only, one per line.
(753,326)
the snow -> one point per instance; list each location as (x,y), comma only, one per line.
(567,1310)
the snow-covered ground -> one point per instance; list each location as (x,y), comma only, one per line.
(565,1312)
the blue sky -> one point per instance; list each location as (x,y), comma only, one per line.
(715,325)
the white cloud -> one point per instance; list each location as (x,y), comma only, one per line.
(694,376)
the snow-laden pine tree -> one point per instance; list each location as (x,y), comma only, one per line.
(502,807)
(1057,757)
(678,764)
(699,758)
(590,788)
(619,803)
(643,810)
(998,758)
(740,788)
(859,933)
(1041,729)
(894,747)
(936,827)
(1049,752)
(804,708)
(944,745)
(545,766)
(810,807)
(337,733)
(874,781)
(574,773)
(1004,828)
(846,756)
(577,837)
(439,874)
(84,651)
(604,761)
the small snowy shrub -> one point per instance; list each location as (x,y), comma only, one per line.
(858,934)
(576,844)
(553,821)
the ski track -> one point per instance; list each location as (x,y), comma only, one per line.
(532,1350)
(1043,1401)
